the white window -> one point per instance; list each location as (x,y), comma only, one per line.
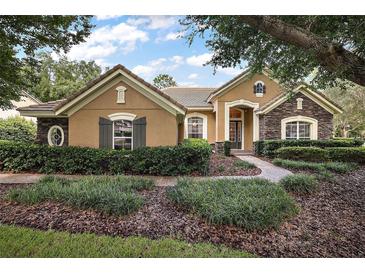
(196,125)
(299,128)
(259,88)
(123,134)
(56,136)
(300,103)
(121,94)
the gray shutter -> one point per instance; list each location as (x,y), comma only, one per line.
(105,133)
(139,132)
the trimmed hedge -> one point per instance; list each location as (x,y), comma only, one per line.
(165,160)
(17,129)
(313,154)
(268,147)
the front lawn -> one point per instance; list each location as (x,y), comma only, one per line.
(17,242)
(112,195)
(254,204)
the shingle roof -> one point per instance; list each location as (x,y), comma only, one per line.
(48,106)
(190,96)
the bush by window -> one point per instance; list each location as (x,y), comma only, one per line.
(17,129)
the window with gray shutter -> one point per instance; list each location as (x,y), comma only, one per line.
(105,133)
(139,132)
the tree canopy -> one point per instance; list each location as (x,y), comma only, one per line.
(164,81)
(21,37)
(351,123)
(291,46)
(59,78)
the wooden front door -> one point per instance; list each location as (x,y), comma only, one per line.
(235,134)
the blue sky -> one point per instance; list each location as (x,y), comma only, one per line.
(149,45)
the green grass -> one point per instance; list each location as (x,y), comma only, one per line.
(300,183)
(243,164)
(28,243)
(111,195)
(338,167)
(254,204)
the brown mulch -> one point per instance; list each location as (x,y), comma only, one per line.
(221,165)
(331,222)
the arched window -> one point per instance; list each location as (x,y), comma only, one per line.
(196,125)
(259,88)
(299,128)
(56,136)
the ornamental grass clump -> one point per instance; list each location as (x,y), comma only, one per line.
(111,195)
(253,204)
(300,183)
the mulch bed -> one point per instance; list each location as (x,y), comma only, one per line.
(331,222)
(221,165)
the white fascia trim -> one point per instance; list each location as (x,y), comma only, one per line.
(299,118)
(205,123)
(200,108)
(160,100)
(39,114)
(122,116)
(241,102)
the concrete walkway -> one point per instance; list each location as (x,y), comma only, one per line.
(268,171)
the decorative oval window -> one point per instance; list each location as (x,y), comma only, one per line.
(56,136)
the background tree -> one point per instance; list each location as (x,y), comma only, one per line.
(164,81)
(22,36)
(59,78)
(351,123)
(291,46)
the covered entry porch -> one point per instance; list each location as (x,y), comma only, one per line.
(241,124)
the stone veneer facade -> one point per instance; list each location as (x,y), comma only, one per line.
(44,124)
(270,123)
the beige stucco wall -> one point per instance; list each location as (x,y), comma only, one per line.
(244,90)
(84,124)
(248,129)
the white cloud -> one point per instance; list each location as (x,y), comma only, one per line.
(156,66)
(199,60)
(153,22)
(188,84)
(229,71)
(193,76)
(177,59)
(171,36)
(106,17)
(107,40)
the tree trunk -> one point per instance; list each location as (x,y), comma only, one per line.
(333,57)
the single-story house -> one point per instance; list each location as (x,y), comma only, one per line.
(25,100)
(122,111)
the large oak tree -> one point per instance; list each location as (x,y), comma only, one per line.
(21,37)
(291,46)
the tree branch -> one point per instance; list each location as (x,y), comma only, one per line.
(334,57)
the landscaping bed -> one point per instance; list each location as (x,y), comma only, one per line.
(221,165)
(331,222)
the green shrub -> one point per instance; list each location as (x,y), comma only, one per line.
(268,147)
(347,154)
(227,148)
(253,204)
(112,195)
(312,154)
(17,129)
(300,183)
(243,164)
(168,160)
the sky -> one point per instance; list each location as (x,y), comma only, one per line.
(150,45)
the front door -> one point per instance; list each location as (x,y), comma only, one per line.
(235,134)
